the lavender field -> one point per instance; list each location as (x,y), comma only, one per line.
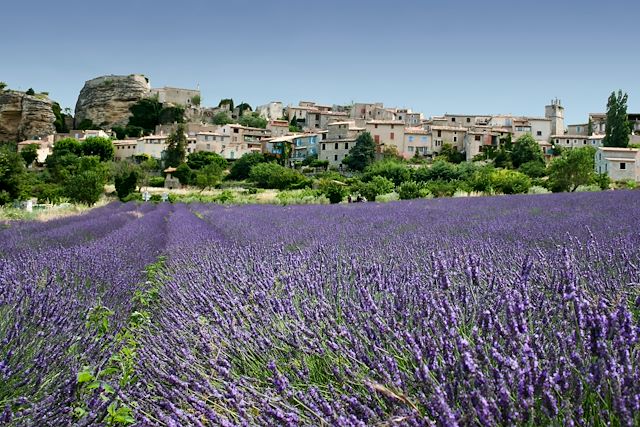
(514,310)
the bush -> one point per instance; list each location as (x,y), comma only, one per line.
(184,174)
(126,183)
(156,181)
(47,192)
(335,191)
(442,188)
(241,168)
(409,190)
(389,197)
(510,182)
(533,169)
(370,190)
(85,187)
(588,188)
(301,197)
(133,197)
(392,170)
(536,189)
(438,171)
(272,175)
(225,197)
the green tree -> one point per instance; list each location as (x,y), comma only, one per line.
(451,154)
(253,120)
(525,149)
(98,146)
(293,125)
(242,107)
(221,119)
(146,114)
(86,124)
(409,190)
(200,159)
(209,176)
(241,168)
(377,186)
(510,182)
(176,147)
(572,169)
(335,191)
(86,185)
(362,154)
(272,175)
(126,176)
(12,175)
(617,126)
(30,153)
(68,145)
(394,171)
(438,171)
(30,92)
(60,122)
(171,114)
(3,86)
(184,174)
(195,100)
(533,169)
(226,101)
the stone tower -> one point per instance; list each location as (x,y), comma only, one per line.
(555,112)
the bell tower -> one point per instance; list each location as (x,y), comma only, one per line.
(555,112)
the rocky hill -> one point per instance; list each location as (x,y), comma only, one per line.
(106,100)
(25,116)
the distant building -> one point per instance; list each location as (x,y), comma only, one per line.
(278,128)
(341,138)
(45,147)
(386,133)
(417,142)
(576,141)
(271,111)
(176,96)
(124,149)
(619,163)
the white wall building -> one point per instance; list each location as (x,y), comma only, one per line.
(619,163)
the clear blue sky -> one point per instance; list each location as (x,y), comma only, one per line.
(483,57)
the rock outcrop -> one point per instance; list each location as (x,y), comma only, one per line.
(25,116)
(106,100)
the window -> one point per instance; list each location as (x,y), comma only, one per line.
(410,149)
(391,136)
(468,119)
(208,146)
(623,165)
(324,146)
(375,126)
(423,139)
(455,139)
(335,146)
(410,139)
(477,138)
(376,139)
(453,119)
(335,157)
(439,133)
(346,145)
(539,133)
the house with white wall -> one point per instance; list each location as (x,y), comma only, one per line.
(619,163)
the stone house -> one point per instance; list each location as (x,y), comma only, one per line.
(341,137)
(619,163)
(417,142)
(176,96)
(278,128)
(387,133)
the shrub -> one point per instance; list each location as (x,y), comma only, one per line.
(241,168)
(392,170)
(184,174)
(533,169)
(335,191)
(588,188)
(377,186)
(156,181)
(442,188)
(272,175)
(438,171)
(126,183)
(510,182)
(389,197)
(409,190)
(536,189)
(133,197)
(85,187)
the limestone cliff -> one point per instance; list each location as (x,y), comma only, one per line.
(106,100)
(25,116)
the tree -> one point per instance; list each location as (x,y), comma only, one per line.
(3,86)
(572,169)
(67,145)
(253,120)
(201,159)
(195,100)
(209,176)
(392,170)
(86,185)
(126,176)
(525,149)
(293,125)
(438,171)
(172,114)
(510,182)
(242,108)
(241,168)
(30,92)
(146,114)
(98,146)
(12,175)
(334,190)
(617,125)
(86,124)
(60,122)
(450,154)
(362,154)
(226,101)
(533,169)
(30,153)
(176,147)
(272,175)
(377,186)
(221,119)
(184,174)
(390,152)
